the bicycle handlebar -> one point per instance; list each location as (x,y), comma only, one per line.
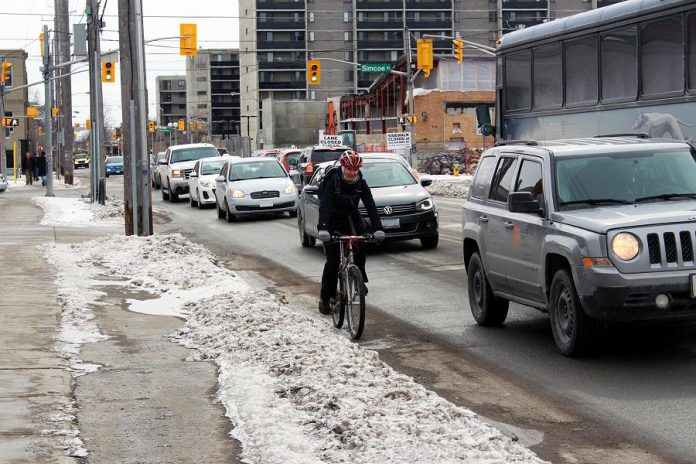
(356,238)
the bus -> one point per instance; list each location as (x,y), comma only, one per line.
(628,68)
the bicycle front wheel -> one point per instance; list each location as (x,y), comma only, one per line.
(339,307)
(355,302)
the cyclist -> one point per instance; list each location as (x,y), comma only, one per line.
(339,214)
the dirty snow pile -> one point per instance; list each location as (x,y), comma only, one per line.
(76,212)
(450,186)
(296,390)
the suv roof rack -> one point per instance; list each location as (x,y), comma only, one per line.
(640,135)
(516,142)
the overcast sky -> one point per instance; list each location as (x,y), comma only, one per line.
(218,27)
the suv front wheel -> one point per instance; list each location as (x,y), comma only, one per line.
(572,330)
(485,307)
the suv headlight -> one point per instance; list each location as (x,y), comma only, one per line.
(424,205)
(178,173)
(625,246)
(290,189)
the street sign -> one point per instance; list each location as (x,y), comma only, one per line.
(398,140)
(376,68)
(165,129)
(10,122)
(331,140)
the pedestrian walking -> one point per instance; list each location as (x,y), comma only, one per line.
(35,165)
(27,167)
(42,167)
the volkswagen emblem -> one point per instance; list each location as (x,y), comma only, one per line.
(387,210)
(692,218)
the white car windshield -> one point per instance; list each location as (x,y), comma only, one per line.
(211,167)
(192,154)
(388,174)
(256,170)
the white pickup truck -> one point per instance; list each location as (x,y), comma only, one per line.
(176,166)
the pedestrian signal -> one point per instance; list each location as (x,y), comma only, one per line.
(108,72)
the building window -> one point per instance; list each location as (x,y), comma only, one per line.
(310,16)
(201,79)
(202,106)
(347,16)
(456,128)
(313,95)
(262,16)
(201,92)
(348,36)
(348,56)
(348,76)
(311,36)
(182,83)
(394,55)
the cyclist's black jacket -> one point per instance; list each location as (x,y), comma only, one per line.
(340,201)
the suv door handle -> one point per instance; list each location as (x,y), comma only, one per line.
(509,224)
(483,219)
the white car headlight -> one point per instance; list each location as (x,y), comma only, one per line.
(625,246)
(424,205)
(236,193)
(290,189)
(177,173)
(207,184)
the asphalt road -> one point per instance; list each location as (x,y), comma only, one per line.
(640,384)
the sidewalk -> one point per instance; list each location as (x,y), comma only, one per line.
(146,403)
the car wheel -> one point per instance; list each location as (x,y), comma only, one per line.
(193,203)
(485,307)
(229,215)
(173,197)
(220,212)
(305,239)
(572,329)
(107,174)
(430,242)
(198,195)
(157,184)
(165,195)
(293,213)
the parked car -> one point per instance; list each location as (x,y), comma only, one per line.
(178,164)
(222,151)
(311,156)
(3,183)
(80,160)
(252,186)
(406,209)
(154,170)
(590,231)
(114,165)
(202,180)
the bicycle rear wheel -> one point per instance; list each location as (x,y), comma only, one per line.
(339,308)
(355,302)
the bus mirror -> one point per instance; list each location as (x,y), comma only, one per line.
(487,129)
(483,115)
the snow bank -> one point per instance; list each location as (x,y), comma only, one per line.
(450,186)
(76,212)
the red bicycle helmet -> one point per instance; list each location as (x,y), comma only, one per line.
(350,159)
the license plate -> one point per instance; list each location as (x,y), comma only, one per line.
(692,278)
(391,223)
(266,203)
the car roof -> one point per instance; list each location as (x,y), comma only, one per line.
(191,145)
(594,145)
(214,158)
(252,159)
(326,147)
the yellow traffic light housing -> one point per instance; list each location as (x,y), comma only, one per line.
(313,72)
(151,126)
(88,124)
(32,112)
(181,125)
(108,72)
(192,124)
(187,39)
(6,73)
(200,125)
(54,112)
(458,50)
(425,55)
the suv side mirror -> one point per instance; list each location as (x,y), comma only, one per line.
(163,162)
(523,202)
(311,189)
(426,182)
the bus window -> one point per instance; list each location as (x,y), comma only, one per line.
(691,29)
(518,77)
(548,77)
(619,66)
(662,47)
(582,72)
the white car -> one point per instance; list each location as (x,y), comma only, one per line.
(178,164)
(253,186)
(3,183)
(202,180)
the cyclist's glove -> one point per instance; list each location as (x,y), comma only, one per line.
(324,236)
(379,235)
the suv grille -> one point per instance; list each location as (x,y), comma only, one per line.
(265,194)
(187,172)
(663,248)
(396,210)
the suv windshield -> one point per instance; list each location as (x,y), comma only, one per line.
(386,174)
(211,167)
(256,170)
(322,155)
(191,154)
(626,178)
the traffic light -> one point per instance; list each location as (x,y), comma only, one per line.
(88,124)
(181,125)
(200,125)
(425,55)
(187,39)
(151,126)
(6,74)
(108,72)
(458,50)
(192,125)
(313,72)
(32,112)
(42,38)
(54,112)
(40,130)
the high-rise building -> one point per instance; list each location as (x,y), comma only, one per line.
(212,83)
(171,99)
(278,36)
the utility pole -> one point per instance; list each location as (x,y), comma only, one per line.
(411,99)
(137,197)
(65,87)
(96,106)
(3,154)
(48,104)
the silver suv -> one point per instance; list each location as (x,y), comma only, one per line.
(589,230)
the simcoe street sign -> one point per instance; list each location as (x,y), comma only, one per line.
(376,68)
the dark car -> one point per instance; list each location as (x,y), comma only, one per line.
(222,151)
(406,209)
(312,156)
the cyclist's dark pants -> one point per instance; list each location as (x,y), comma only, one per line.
(329,278)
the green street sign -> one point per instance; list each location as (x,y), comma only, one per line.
(165,129)
(376,68)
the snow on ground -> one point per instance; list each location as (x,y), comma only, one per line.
(76,212)
(449,186)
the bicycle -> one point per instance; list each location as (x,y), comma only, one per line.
(350,298)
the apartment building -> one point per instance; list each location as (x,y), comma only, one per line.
(171,99)
(212,83)
(278,36)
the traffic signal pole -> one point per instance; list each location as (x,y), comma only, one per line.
(96,103)
(411,98)
(47,120)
